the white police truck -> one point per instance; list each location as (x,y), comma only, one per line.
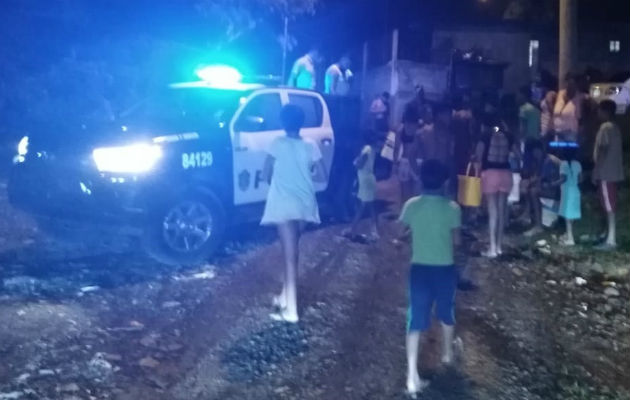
(184,165)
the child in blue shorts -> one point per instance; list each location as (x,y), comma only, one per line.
(434,221)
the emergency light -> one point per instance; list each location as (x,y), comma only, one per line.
(219,75)
(559,144)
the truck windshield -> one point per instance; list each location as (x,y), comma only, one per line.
(191,108)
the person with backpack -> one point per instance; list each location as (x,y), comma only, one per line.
(493,159)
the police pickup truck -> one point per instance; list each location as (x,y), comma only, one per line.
(184,165)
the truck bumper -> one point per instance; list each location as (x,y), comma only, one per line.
(78,195)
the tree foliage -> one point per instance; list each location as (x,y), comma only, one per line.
(530,10)
(75,58)
(236,17)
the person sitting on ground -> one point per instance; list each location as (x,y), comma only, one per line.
(364,164)
(434,222)
(570,198)
(291,202)
(608,171)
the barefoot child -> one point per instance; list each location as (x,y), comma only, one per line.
(434,222)
(570,198)
(364,164)
(493,153)
(291,201)
(608,170)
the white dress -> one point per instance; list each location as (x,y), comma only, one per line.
(291,195)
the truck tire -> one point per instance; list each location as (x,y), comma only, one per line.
(186,229)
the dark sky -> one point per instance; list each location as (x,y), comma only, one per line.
(49,28)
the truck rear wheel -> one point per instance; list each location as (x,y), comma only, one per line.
(185,230)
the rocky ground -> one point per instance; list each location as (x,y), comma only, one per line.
(89,317)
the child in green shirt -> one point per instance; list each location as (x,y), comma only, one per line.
(434,221)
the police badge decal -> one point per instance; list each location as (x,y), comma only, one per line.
(244,178)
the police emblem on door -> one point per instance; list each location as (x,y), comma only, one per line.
(244,179)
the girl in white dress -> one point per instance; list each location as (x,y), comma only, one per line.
(291,201)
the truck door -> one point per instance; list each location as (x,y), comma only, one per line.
(255,125)
(317,127)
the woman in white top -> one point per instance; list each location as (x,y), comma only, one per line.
(291,201)
(568,111)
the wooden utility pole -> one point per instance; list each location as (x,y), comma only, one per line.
(568,38)
(285,48)
(364,68)
(393,82)
(393,79)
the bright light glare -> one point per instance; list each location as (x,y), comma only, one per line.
(219,75)
(22,147)
(137,158)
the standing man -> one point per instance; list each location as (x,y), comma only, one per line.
(303,74)
(419,104)
(608,171)
(528,115)
(379,111)
(338,78)
(567,112)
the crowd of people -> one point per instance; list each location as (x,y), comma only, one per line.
(535,153)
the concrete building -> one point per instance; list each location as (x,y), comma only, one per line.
(528,48)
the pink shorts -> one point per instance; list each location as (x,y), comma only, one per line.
(496,181)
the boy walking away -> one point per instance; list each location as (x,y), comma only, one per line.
(434,222)
(291,201)
(364,164)
(608,167)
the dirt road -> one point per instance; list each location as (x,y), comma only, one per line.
(95,319)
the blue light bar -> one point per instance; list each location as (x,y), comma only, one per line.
(219,75)
(564,144)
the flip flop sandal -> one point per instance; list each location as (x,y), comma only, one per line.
(277,303)
(414,394)
(280,317)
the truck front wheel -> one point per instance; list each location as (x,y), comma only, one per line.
(185,230)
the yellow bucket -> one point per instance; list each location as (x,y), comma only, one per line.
(469,189)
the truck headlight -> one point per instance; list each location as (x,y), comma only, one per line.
(22,150)
(130,159)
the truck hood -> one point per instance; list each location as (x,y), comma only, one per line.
(83,137)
